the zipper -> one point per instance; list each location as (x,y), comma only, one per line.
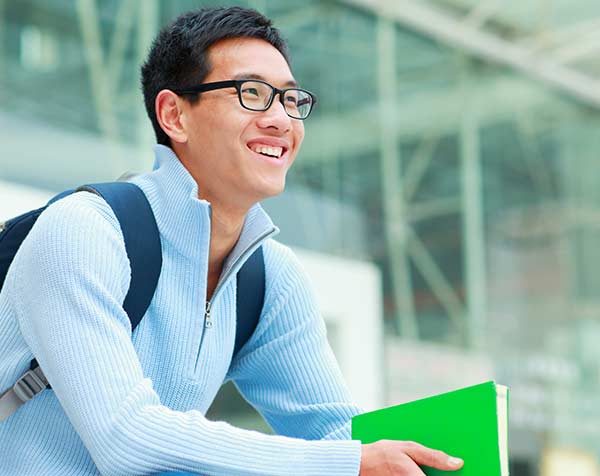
(208,322)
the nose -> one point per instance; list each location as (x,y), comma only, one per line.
(275,117)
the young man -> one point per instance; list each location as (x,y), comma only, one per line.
(228,119)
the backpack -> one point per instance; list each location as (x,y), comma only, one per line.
(143,247)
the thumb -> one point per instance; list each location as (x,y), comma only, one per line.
(433,458)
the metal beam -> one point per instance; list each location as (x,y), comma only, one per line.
(439,284)
(473,226)
(432,208)
(579,50)
(123,23)
(396,225)
(418,165)
(101,91)
(434,22)
(105,65)
(330,163)
(431,114)
(557,37)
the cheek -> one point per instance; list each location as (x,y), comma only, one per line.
(223,123)
(298,134)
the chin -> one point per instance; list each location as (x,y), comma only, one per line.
(272,190)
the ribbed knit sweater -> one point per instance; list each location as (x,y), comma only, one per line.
(131,405)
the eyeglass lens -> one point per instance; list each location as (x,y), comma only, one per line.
(256,96)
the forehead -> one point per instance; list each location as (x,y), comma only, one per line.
(234,57)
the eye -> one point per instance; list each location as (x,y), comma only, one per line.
(291,98)
(250,91)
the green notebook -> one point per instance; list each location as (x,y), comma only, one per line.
(470,423)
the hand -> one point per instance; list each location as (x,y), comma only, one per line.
(402,458)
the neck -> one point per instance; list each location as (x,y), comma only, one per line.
(225,229)
(227,215)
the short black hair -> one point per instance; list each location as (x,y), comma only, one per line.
(178,57)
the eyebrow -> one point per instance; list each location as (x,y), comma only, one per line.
(290,84)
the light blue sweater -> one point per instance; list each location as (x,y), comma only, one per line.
(128,406)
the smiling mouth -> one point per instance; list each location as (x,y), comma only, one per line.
(268,151)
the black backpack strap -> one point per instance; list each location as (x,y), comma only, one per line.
(250,298)
(142,242)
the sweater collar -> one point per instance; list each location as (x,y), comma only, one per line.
(184,220)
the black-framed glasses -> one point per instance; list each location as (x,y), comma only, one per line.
(257,95)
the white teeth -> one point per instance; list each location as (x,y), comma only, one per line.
(272,151)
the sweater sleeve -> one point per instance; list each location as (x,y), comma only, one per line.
(72,276)
(288,371)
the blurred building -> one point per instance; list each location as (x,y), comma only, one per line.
(454,146)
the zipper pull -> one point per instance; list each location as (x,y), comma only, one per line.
(207,321)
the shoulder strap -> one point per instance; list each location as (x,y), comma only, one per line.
(143,247)
(250,298)
(142,242)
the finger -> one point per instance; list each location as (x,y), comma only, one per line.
(429,457)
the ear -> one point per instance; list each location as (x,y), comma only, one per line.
(168,113)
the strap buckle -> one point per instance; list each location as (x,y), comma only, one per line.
(29,385)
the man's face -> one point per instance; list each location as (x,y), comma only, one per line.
(224,138)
